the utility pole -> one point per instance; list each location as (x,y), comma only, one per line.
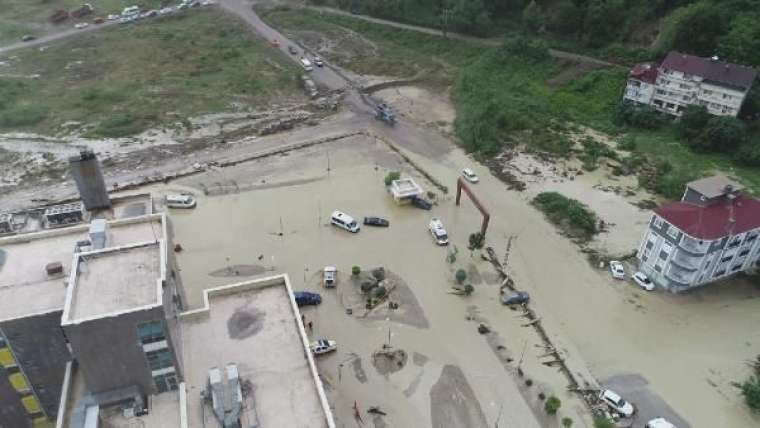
(445,17)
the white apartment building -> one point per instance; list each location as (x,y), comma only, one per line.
(682,80)
(711,234)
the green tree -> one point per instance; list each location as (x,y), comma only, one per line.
(721,134)
(692,122)
(552,404)
(694,28)
(356,270)
(742,42)
(460,276)
(567,422)
(603,20)
(567,18)
(751,391)
(391,177)
(532,17)
(749,153)
(477,240)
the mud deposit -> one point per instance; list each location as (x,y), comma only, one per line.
(388,361)
(239,270)
(453,403)
(245,322)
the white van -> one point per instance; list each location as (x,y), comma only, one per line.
(306,64)
(344,221)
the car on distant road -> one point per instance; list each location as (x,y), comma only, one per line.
(617,269)
(470,175)
(81,25)
(165,11)
(323,346)
(306,64)
(112,17)
(318,61)
(292,49)
(376,221)
(643,282)
(515,298)
(616,403)
(659,423)
(439,233)
(98,20)
(422,204)
(330,276)
(306,298)
(27,38)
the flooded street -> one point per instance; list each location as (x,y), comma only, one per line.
(685,350)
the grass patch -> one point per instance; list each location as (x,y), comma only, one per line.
(128,78)
(571,216)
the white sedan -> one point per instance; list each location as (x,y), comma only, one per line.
(643,282)
(470,175)
(659,423)
(616,403)
(323,346)
(81,25)
(617,269)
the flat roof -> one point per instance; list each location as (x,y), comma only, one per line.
(25,287)
(714,186)
(115,280)
(256,325)
(405,187)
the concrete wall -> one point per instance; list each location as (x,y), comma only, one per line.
(109,353)
(41,353)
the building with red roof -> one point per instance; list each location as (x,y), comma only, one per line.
(709,235)
(682,80)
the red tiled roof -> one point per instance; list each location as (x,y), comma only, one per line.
(646,72)
(713,221)
(716,71)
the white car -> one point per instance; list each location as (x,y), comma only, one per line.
(616,403)
(323,346)
(659,423)
(438,231)
(81,25)
(112,17)
(344,221)
(643,282)
(318,61)
(470,175)
(180,201)
(617,269)
(165,11)
(330,276)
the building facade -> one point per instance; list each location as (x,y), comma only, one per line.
(710,235)
(682,80)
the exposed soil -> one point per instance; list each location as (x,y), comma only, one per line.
(388,360)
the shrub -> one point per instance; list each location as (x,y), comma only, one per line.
(721,134)
(367,286)
(750,389)
(378,274)
(468,289)
(23,116)
(391,177)
(603,422)
(356,270)
(692,122)
(567,422)
(749,153)
(627,143)
(460,276)
(119,125)
(637,116)
(567,212)
(552,404)
(378,292)
(477,240)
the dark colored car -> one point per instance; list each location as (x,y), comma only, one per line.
(515,298)
(376,221)
(305,298)
(422,204)
(292,49)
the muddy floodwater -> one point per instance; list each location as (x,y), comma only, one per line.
(683,351)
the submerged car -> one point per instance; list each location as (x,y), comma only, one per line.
(376,221)
(515,298)
(330,274)
(616,403)
(470,175)
(180,201)
(643,282)
(422,204)
(659,423)
(323,346)
(306,298)
(617,269)
(439,233)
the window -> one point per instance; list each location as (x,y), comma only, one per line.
(166,382)
(751,237)
(683,86)
(657,222)
(720,272)
(734,241)
(160,359)
(673,232)
(743,253)
(708,92)
(151,332)
(735,268)
(727,258)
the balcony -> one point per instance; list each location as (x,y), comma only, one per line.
(686,260)
(680,275)
(693,246)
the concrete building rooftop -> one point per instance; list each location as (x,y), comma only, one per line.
(405,188)
(115,280)
(257,326)
(25,286)
(714,186)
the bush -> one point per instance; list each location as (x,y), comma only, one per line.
(23,116)
(119,125)
(356,270)
(468,289)
(552,404)
(749,153)
(603,422)
(477,240)
(391,177)
(378,274)
(567,422)
(460,276)
(721,134)
(627,143)
(378,292)
(637,116)
(692,122)
(567,212)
